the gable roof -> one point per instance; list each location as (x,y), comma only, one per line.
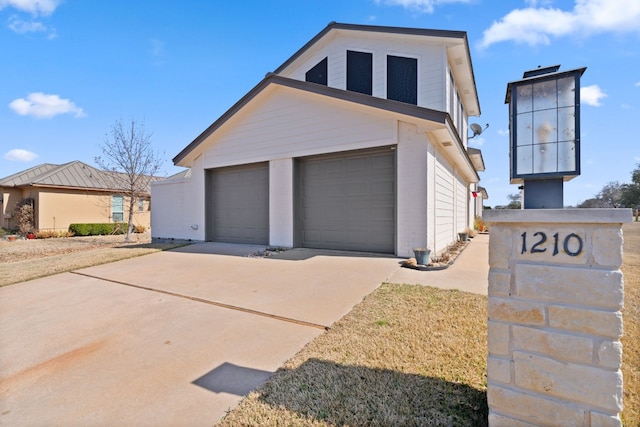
(26,176)
(457,48)
(75,174)
(445,127)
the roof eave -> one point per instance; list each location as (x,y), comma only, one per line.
(333,26)
(349,96)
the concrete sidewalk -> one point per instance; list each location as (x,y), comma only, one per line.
(469,272)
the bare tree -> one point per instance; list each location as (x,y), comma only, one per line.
(128,154)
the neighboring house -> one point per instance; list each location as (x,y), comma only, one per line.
(480,196)
(357,142)
(70,193)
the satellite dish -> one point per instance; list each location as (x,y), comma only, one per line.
(477,129)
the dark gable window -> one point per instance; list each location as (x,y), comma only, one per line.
(360,72)
(318,74)
(402,79)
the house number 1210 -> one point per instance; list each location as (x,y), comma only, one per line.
(541,244)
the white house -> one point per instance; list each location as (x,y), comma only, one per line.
(357,142)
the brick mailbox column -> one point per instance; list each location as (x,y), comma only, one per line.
(555,322)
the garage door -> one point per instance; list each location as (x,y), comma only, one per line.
(238,204)
(348,201)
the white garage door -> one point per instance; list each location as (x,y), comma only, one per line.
(348,201)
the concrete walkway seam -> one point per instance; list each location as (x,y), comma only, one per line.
(214,303)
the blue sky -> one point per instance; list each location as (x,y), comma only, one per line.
(71,68)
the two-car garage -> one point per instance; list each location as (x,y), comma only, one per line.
(343,201)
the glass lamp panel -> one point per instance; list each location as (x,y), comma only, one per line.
(524,129)
(544,95)
(524,99)
(567,124)
(567,156)
(524,160)
(567,91)
(545,126)
(545,158)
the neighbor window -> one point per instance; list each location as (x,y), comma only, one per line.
(140,204)
(117,208)
(402,79)
(360,72)
(318,74)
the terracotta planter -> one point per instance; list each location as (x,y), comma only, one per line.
(11,238)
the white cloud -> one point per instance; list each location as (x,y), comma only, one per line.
(35,7)
(537,25)
(591,95)
(503,132)
(20,155)
(637,84)
(42,105)
(19,26)
(425,6)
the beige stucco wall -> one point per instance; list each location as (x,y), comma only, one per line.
(57,208)
(10,197)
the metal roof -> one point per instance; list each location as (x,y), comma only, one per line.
(75,174)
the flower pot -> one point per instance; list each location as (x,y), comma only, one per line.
(463,236)
(422,255)
(11,238)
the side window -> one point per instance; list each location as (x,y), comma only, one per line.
(360,72)
(140,204)
(117,208)
(402,79)
(318,74)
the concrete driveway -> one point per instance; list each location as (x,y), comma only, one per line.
(178,337)
(172,338)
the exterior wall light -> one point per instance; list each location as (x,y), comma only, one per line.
(544,125)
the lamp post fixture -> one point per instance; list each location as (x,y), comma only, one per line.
(544,124)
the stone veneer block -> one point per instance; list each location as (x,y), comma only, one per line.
(498,338)
(604,420)
(607,324)
(498,369)
(499,283)
(497,420)
(516,311)
(579,383)
(533,409)
(576,286)
(610,354)
(606,246)
(566,347)
(501,249)
(549,244)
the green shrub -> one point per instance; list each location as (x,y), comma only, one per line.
(98,229)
